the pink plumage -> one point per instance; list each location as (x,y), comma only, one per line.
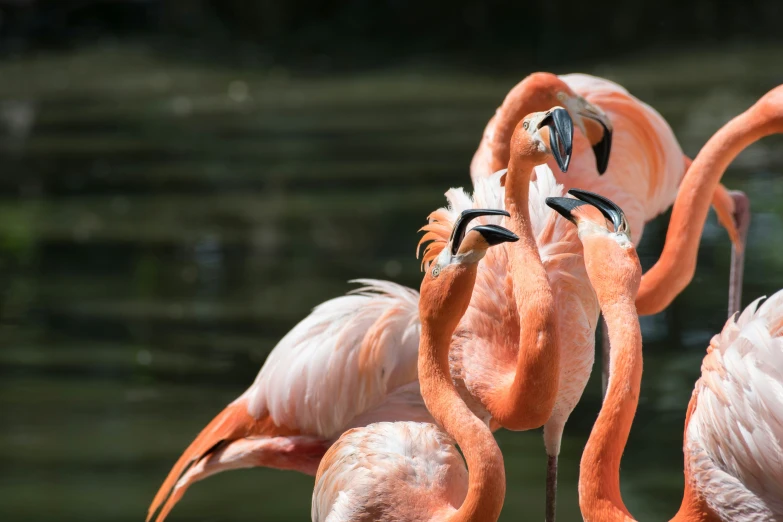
(390,471)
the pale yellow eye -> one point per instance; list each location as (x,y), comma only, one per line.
(435,271)
(561,96)
(525,125)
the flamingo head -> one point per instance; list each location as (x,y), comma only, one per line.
(448,283)
(610,256)
(543,134)
(547,90)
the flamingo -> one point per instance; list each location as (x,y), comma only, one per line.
(526,369)
(352,362)
(733,440)
(643,177)
(400,471)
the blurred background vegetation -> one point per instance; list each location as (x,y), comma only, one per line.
(181,182)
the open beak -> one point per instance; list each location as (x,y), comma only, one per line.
(610,210)
(464,219)
(604,146)
(561,135)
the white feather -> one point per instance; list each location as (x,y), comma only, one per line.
(735,435)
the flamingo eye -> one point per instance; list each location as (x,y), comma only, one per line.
(436,271)
(525,125)
(561,96)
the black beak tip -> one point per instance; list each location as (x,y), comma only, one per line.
(461,226)
(602,149)
(608,208)
(564,206)
(495,234)
(561,136)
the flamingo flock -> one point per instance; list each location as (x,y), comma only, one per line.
(372,391)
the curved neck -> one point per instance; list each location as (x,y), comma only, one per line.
(599,476)
(519,102)
(486,473)
(677,264)
(527,402)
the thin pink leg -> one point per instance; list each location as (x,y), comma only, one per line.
(742,219)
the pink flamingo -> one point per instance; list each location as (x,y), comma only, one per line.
(352,362)
(643,177)
(733,442)
(648,164)
(400,471)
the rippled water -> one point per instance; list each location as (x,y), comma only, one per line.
(164,223)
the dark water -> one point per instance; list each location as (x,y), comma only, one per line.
(163,224)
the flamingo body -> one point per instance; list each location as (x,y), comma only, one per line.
(351,362)
(390,471)
(485,346)
(734,439)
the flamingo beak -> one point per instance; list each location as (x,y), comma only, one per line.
(461,225)
(561,135)
(565,207)
(608,208)
(495,234)
(603,147)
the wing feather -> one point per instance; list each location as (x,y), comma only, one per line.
(738,420)
(342,360)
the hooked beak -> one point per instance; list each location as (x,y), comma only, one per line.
(561,135)
(610,210)
(461,226)
(495,234)
(604,146)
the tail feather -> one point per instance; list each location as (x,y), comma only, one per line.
(232,423)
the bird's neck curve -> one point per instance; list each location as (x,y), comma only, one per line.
(486,472)
(524,98)
(527,401)
(677,264)
(599,476)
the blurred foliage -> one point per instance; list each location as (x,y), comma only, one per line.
(322,34)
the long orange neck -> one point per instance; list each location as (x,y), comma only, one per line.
(599,475)
(527,403)
(527,96)
(677,264)
(487,478)
(599,472)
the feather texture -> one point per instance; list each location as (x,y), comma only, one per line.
(389,472)
(734,440)
(343,360)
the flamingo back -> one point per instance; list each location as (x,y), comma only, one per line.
(347,360)
(734,440)
(390,471)
(646,165)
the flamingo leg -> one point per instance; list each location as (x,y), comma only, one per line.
(551,487)
(742,220)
